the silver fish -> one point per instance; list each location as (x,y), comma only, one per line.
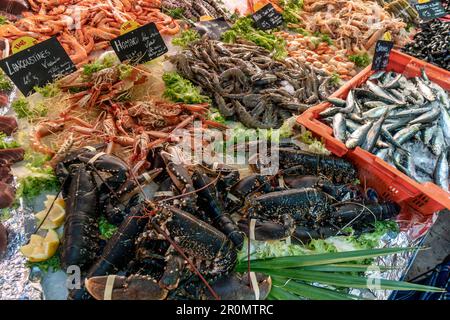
(358,136)
(375,112)
(383,94)
(339,127)
(337,102)
(444,122)
(374,133)
(425,90)
(377,75)
(407,133)
(374,104)
(330,112)
(428,117)
(438,142)
(441,171)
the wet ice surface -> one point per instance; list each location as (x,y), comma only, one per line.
(424,161)
(54,285)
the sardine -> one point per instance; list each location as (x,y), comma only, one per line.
(428,117)
(383,94)
(438,142)
(330,112)
(349,103)
(425,90)
(428,134)
(441,171)
(358,137)
(394,83)
(377,75)
(445,124)
(407,133)
(374,133)
(374,104)
(375,113)
(339,127)
(337,102)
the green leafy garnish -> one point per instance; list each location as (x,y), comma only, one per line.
(324,37)
(53,264)
(335,79)
(291,8)
(3,20)
(23,109)
(49,90)
(38,177)
(185,38)
(176,13)
(360,60)
(5,83)
(106,62)
(4,144)
(244,28)
(215,115)
(5,214)
(125,71)
(106,229)
(179,89)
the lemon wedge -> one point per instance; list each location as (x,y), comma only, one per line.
(40,248)
(55,217)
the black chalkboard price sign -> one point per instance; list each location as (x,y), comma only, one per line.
(37,65)
(213,28)
(431,10)
(140,45)
(381,56)
(267,18)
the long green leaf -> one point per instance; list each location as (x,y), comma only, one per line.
(310,291)
(344,268)
(277,293)
(317,259)
(347,281)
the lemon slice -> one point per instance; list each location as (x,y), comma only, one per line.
(206,18)
(55,217)
(51,198)
(40,248)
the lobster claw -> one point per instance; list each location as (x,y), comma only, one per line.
(270,230)
(135,287)
(237,287)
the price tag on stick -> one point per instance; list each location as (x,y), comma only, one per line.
(382,52)
(37,65)
(431,9)
(140,45)
(267,18)
(213,28)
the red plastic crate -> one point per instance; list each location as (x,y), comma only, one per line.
(392,184)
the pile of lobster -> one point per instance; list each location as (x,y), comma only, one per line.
(83,26)
(182,241)
(100,109)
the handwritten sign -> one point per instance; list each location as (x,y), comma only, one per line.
(140,45)
(430,10)
(37,65)
(213,28)
(381,56)
(267,18)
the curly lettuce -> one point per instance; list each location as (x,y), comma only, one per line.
(185,38)
(179,89)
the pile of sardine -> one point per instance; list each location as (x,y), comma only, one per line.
(405,122)
(432,43)
(194,9)
(248,84)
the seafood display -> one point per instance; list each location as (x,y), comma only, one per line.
(83,26)
(204,173)
(431,43)
(320,53)
(102,110)
(246,83)
(194,10)
(397,119)
(353,25)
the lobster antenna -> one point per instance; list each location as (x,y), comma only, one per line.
(180,251)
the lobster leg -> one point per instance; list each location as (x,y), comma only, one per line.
(208,200)
(80,228)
